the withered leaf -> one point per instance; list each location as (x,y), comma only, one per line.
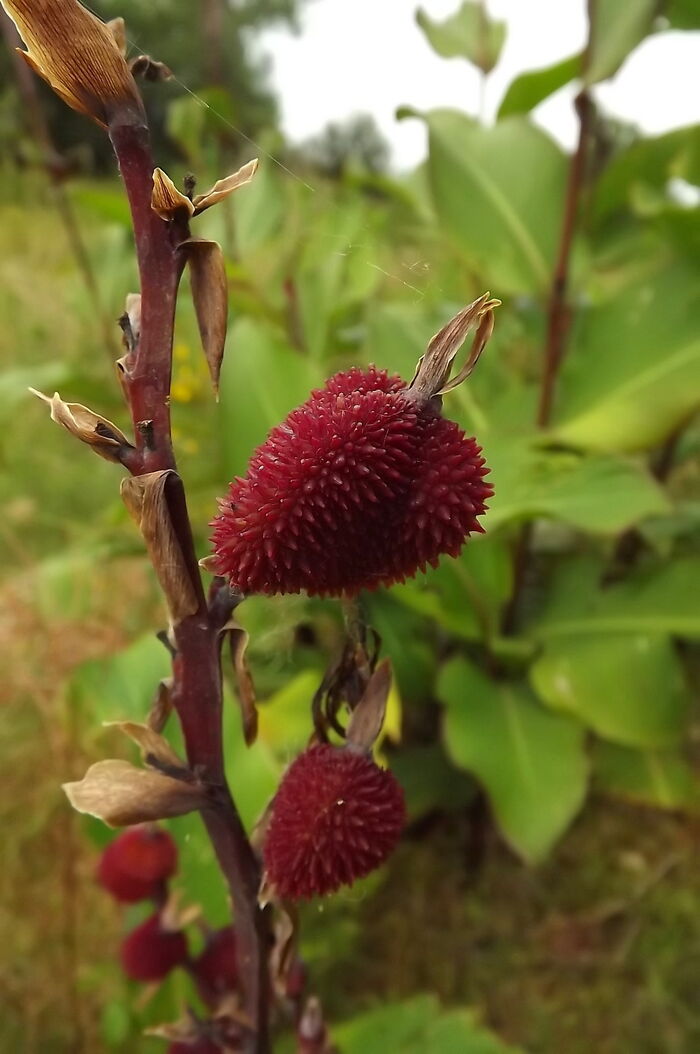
(286,934)
(368,716)
(433,370)
(155,749)
(245,689)
(104,437)
(121,794)
(133,311)
(162,706)
(117,27)
(149,69)
(223,187)
(78,55)
(166,199)
(149,499)
(210,297)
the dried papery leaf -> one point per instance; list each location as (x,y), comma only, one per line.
(155,750)
(149,70)
(162,706)
(286,933)
(183,1031)
(166,199)
(312,1036)
(78,55)
(150,499)
(433,369)
(208,564)
(210,297)
(133,312)
(245,689)
(104,437)
(174,917)
(121,794)
(368,716)
(117,27)
(223,187)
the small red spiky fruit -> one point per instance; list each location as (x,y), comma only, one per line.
(336,817)
(134,866)
(215,969)
(150,952)
(361,486)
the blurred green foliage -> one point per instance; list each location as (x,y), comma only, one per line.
(587,682)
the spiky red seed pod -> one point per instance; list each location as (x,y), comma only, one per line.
(134,866)
(216,970)
(361,486)
(150,952)
(336,817)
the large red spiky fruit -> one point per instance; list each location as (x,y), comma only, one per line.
(216,970)
(336,817)
(150,951)
(134,866)
(361,486)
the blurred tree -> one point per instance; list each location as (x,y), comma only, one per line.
(206,44)
(356,142)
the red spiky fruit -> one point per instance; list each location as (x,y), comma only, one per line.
(361,486)
(150,952)
(216,970)
(336,817)
(134,866)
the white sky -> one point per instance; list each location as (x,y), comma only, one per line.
(370,56)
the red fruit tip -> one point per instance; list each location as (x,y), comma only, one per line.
(134,866)
(150,952)
(215,969)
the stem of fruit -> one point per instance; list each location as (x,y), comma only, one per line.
(558,313)
(197,682)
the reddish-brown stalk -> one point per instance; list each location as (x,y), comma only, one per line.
(197,690)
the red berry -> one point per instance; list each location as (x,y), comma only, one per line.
(149,952)
(336,816)
(134,866)
(359,487)
(216,970)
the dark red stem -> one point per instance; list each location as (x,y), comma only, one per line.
(197,690)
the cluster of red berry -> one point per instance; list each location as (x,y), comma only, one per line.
(135,867)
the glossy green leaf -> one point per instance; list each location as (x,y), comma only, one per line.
(633,373)
(661,600)
(261,381)
(530,89)
(663,779)
(504,217)
(618,26)
(469,34)
(531,762)
(601,494)
(628,688)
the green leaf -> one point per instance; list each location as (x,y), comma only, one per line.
(618,26)
(531,762)
(530,89)
(662,600)
(664,779)
(601,494)
(261,381)
(430,782)
(683,14)
(647,163)
(469,34)
(285,718)
(417,1026)
(259,210)
(633,374)
(504,217)
(124,685)
(629,689)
